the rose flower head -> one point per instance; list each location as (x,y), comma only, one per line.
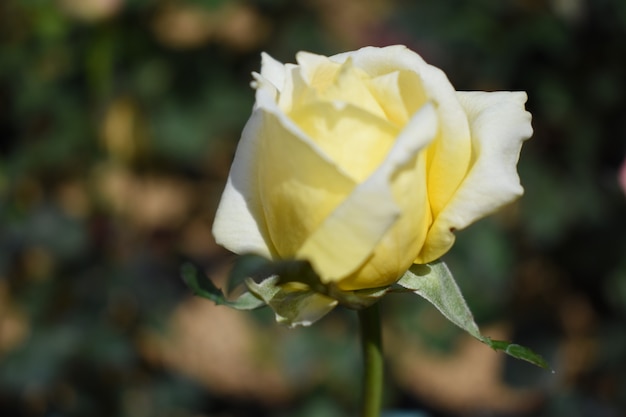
(365,163)
(350,179)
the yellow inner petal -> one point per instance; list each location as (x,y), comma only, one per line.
(339,110)
(354,119)
(350,86)
(395,253)
(399,94)
(298,188)
(354,139)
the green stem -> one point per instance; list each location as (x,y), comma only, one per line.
(371,340)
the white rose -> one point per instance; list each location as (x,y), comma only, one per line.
(366,162)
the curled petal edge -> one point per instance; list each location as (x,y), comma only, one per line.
(499,125)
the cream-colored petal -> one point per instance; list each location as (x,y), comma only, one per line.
(273,71)
(238,224)
(324,80)
(451,151)
(317,70)
(499,124)
(349,236)
(241,225)
(298,79)
(294,89)
(380,61)
(297,184)
(354,139)
(452,148)
(350,86)
(396,251)
(413,94)
(386,89)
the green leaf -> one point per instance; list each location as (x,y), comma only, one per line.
(435,283)
(518,352)
(202,286)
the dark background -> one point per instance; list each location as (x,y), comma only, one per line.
(118,122)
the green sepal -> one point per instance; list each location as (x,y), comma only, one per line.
(248,266)
(295,304)
(357,299)
(202,286)
(292,271)
(435,283)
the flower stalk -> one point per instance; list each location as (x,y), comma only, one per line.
(371,341)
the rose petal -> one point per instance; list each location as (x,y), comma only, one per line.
(350,87)
(348,237)
(298,185)
(354,139)
(295,89)
(386,89)
(240,224)
(273,71)
(499,124)
(452,148)
(317,70)
(235,226)
(395,252)
(319,79)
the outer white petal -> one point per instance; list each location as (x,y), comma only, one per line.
(237,225)
(378,61)
(499,124)
(350,234)
(273,71)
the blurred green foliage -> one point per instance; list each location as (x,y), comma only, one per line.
(118,120)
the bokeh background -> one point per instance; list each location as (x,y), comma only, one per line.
(118,122)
